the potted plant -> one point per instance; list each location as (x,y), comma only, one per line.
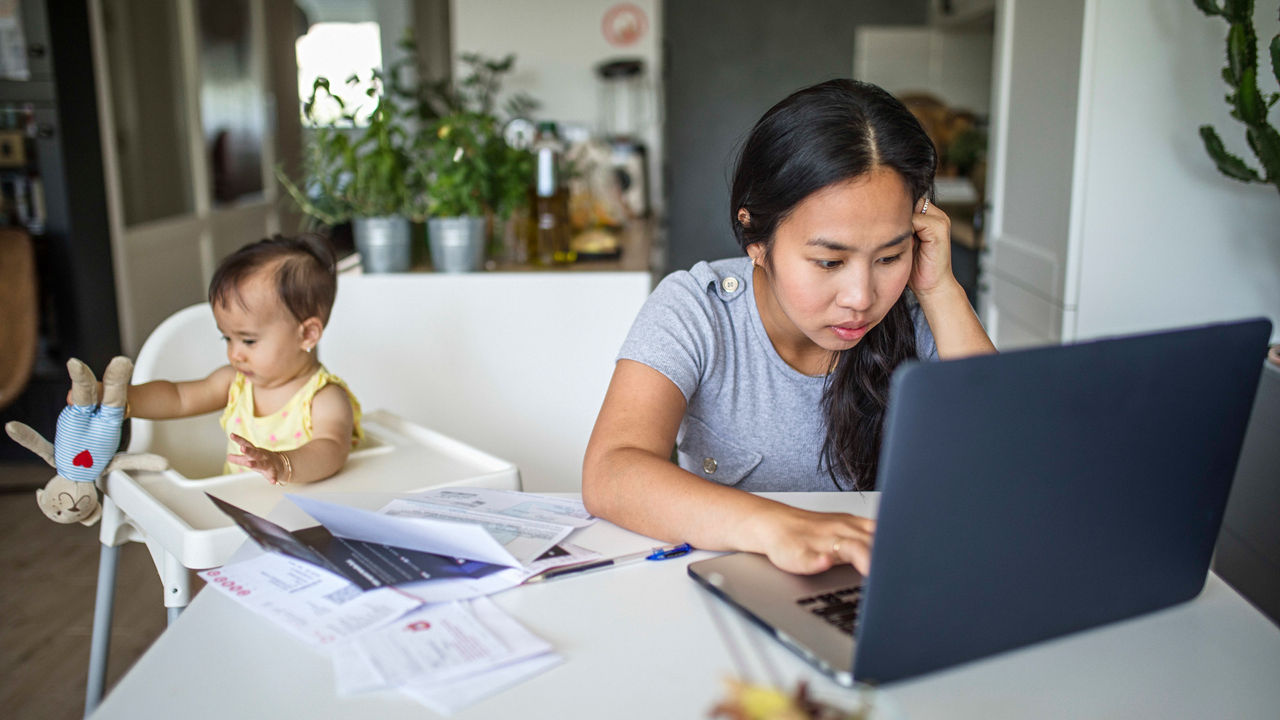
(470,175)
(1248,103)
(359,173)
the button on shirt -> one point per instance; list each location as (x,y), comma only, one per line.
(752,421)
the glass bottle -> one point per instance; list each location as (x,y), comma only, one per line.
(550,237)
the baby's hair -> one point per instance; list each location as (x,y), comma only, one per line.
(305,273)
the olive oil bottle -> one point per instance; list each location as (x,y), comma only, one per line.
(550,236)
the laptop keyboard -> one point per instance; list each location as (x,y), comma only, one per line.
(838,607)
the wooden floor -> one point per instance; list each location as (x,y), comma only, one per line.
(48,573)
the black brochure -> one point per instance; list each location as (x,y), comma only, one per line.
(368,565)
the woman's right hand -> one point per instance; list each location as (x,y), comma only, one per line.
(807,542)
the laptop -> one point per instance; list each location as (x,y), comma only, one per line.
(1024,496)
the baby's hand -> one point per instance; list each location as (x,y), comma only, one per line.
(274,466)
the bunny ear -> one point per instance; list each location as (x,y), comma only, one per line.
(84,386)
(31,440)
(115,381)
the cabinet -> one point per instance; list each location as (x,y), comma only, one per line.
(58,184)
(1106,215)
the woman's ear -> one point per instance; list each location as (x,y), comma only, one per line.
(756,252)
(311,330)
(744,217)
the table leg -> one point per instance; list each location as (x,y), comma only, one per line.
(101,639)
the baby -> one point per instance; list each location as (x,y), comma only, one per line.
(286,416)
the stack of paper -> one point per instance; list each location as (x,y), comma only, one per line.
(383,592)
(494,526)
(308,601)
(446,656)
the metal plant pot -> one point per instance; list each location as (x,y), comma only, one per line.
(383,243)
(457,243)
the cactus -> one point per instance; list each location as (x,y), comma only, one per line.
(1248,104)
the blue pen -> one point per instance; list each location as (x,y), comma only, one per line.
(658,553)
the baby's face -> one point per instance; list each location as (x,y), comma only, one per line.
(264,340)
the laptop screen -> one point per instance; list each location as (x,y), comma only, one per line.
(1040,492)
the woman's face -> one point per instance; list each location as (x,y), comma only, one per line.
(837,264)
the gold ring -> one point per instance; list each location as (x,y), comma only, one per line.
(835,548)
(925,209)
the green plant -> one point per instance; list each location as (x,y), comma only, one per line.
(477,91)
(461,158)
(469,169)
(1248,105)
(351,171)
(967,149)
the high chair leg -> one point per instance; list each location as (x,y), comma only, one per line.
(101,639)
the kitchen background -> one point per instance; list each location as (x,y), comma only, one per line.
(138,141)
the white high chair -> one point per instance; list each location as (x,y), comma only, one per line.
(184,531)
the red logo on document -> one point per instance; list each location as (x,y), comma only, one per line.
(418,626)
(624,24)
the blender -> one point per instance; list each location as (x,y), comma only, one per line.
(624,107)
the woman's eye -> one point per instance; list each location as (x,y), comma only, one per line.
(891,259)
(828,264)
(226,339)
(249,342)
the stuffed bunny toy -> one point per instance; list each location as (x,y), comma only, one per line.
(84,445)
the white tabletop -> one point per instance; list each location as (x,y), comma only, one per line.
(640,641)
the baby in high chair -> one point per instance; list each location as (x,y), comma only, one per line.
(286,416)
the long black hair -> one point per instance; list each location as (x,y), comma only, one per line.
(825,134)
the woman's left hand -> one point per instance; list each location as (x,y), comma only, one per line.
(271,464)
(931,266)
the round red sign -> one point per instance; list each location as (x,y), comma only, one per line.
(624,24)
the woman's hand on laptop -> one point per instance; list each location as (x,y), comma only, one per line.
(806,542)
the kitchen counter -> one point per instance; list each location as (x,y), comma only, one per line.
(638,241)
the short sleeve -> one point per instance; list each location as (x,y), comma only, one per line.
(674,331)
(926,347)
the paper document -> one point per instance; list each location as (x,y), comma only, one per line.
(368,565)
(447,589)
(445,656)
(525,540)
(438,643)
(452,697)
(512,503)
(310,602)
(453,538)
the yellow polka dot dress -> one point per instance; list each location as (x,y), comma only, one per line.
(285,429)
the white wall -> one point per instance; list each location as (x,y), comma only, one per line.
(515,364)
(1163,238)
(951,64)
(557,45)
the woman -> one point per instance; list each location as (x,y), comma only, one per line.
(771,372)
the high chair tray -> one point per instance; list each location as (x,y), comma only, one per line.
(397,456)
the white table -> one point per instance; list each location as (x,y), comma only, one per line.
(639,641)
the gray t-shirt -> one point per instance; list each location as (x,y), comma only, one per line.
(752,420)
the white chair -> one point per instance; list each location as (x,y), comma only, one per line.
(184,531)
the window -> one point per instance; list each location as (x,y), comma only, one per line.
(336,51)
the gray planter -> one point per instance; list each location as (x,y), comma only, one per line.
(457,243)
(383,243)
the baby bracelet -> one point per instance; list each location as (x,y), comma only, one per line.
(288,469)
